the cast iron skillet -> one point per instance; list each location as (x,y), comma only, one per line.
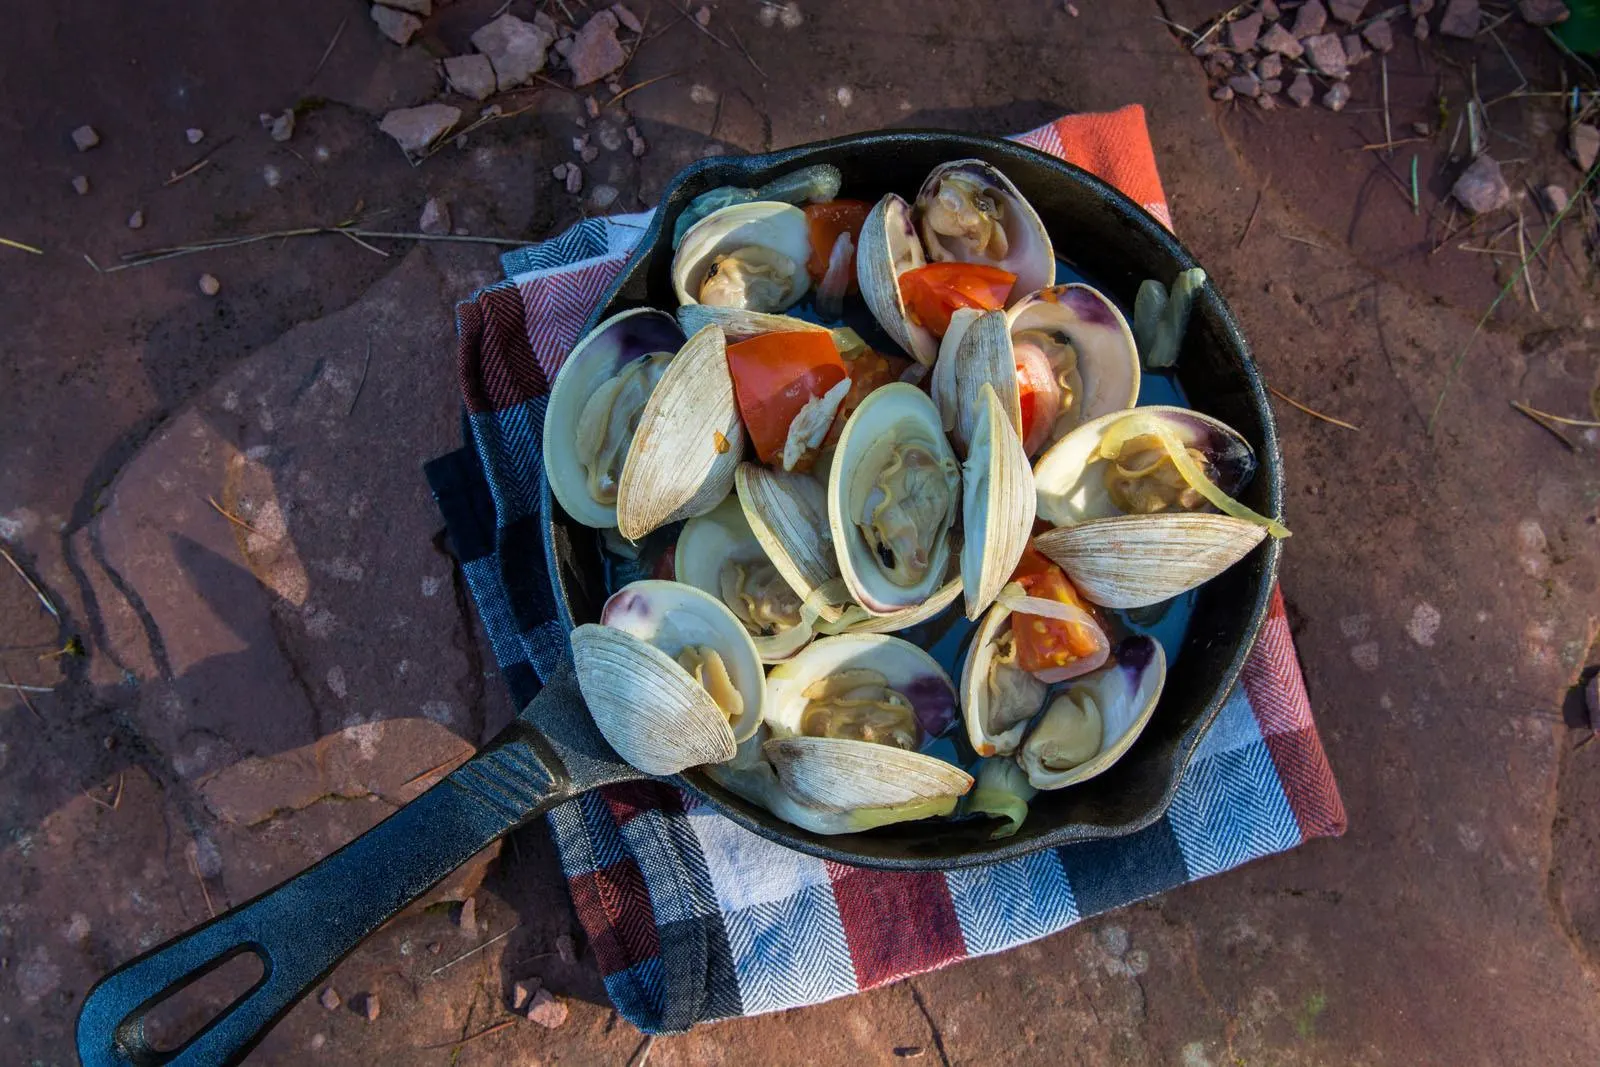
(552,752)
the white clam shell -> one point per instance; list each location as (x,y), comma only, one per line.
(1133,561)
(688,442)
(764,223)
(975,688)
(997,505)
(1030,256)
(975,351)
(709,541)
(889,247)
(598,357)
(1126,691)
(740,325)
(787,512)
(1108,356)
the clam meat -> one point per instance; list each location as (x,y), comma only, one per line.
(749,257)
(969,212)
(718,553)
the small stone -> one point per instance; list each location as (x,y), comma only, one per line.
(1072,9)
(1222,93)
(580,143)
(1269,10)
(435,217)
(1555,199)
(85,138)
(209,285)
(81,184)
(1245,84)
(135,222)
(1380,35)
(1543,12)
(1242,33)
(1421,129)
(280,127)
(1269,86)
(559,171)
(1266,101)
(194,134)
(1420,30)
(596,52)
(563,45)
(1419,8)
(416,7)
(472,76)
(1300,90)
(1354,50)
(467,917)
(1204,48)
(610,136)
(1327,54)
(1585,144)
(415,128)
(574,179)
(589,154)
(603,196)
(1461,18)
(1310,19)
(566,949)
(1481,187)
(330,999)
(591,107)
(1337,96)
(703,16)
(515,47)
(547,1010)
(434,948)
(1346,11)
(638,146)
(398,26)
(1220,65)
(629,20)
(370,1007)
(1270,66)
(522,992)
(1281,42)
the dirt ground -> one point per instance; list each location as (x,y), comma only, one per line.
(253,698)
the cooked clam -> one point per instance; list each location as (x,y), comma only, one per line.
(787,513)
(1133,561)
(595,405)
(888,248)
(969,212)
(747,257)
(670,675)
(1094,721)
(893,495)
(718,553)
(997,505)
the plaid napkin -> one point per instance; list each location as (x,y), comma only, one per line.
(692,918)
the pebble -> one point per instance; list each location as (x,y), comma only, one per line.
(330,999)
(281,127)
(546,1010)
(209,284)
(580,143)
(1266,101)
(1354,50)
(1072,9)
(563,46)
(1310,19)
(467,917)
(610,136)
(1203,49)
(596,51)
(434,948)
(85,138)
(603,196)
(1245,84)
(416,7)
(1421,129)
(135,222)
(435,217)
(637,141)
(415,128)
(1270,66)
(629,20)
(1543,12)
(81,184)
(559,171)
(1481,187)
(194,134)
(566,949)
(472,76)
(515,47)
(370,1007)
(1420,30)
(1337,96)
(1585,144)
(522,992)
(1222,93)
(1380,35)
(574,179)
(703,16)
(1419,8)
(1555,199)
(1269,86)
(589,154)
(398,26)
(1280,41)
(1327,54)
(591,106)
(1346,11)
(1220,64)
(1243,33)
(1300,90)
(1461,18)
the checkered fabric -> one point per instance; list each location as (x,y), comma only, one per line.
(693,918)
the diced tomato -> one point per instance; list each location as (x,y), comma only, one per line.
(1032,562)
(827,222)
(1040,396)
(774,376)
(868,370)
(1045,644)
(933,292)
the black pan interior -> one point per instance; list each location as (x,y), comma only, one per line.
(1114,241)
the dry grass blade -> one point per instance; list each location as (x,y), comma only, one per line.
(1526,409)
(22,691)
(473,951)
(1550,428)
(1390,144)
(369,247)
(194,867)
(1388,132)
(1313,412)
(1305,241)
(156,255)
(641,85)
(1522,254)
(20,688)
(178,176)
(115,802)
(696,24)
(748,57)
(231,517)
(363,382)
(1248,226)
(38,592)
(641,1055)
(328,51)
(19,246)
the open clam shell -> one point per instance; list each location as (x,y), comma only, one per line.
(739,324)
(1070,478)
(590,372)
(1133,561)
(838,772)
(648,705)
(967,211)
(974,352)
(857,620)
(718,553)
(1100,361)
(1094,721)
(688,442)
(997,505)
(750,256)
(893,495)
(888,248)
(787,512)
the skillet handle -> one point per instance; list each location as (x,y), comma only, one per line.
(301,929)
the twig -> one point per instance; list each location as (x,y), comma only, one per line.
(1548,427)
(116,801)
(1416,192)
(1464,247)
(1389,144)
(194,866)
(1305,241)
(1522,254)
(696,24)
(641,1055)
(23,691)
(1248,226)
(1217,25)
(364,244)
(485,1032)
(230,516)
(16,686)
(359,385)
(1461,357)
(328,51)
(156,255)
(1313,412)
(1186,31)
(19,246)
(1589,424)
(473,951)
(1388,134)
(178,177)
(641,85)
(38,592)
(750,58)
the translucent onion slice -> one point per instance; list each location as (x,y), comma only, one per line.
(1002,790)
(1014,598)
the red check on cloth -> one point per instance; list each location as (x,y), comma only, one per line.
(693,918)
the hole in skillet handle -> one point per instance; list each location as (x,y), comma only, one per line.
(1119,244)
(171,1022)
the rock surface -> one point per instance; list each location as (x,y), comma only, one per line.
(596,52)
(415,128)
(424,8)
(435,218)
(516,48)
(1347,11)
(1243,32)
(1461,18)
(1309,19)
(471,75)
(1300,90)
(546,1009)
(1281,41)
(1543,12)
(1482,188)
(1380,35)
(85,138)
(398,26)
(1327,54)
(1337,96)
